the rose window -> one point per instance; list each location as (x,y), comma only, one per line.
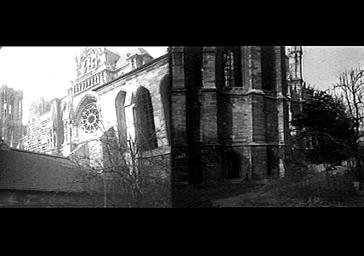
(90,119)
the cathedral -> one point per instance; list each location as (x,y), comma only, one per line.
(11,109)
(214,113)
(231,111)
(123,96)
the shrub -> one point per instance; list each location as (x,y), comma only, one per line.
(297,170)
(357,173)
(324,187)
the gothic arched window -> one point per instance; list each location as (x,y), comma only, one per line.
(268,67)
(193,66)
(165,90)
(120,116)
(54,140)
(145,128)
(66,131)
(232,66)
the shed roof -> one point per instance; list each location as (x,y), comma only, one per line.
(25,170)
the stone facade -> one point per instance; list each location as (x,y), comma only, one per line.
(11,109)
(44,130)
(118,96)
(230,112)
(212,113)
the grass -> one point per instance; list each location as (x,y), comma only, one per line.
(311,190)
(320,188)
(203,196)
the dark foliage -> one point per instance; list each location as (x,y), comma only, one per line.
(325,130)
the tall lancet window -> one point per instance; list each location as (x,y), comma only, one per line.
(145,128)
(121,119)
(66,131)
(193,65)
(165,90)
(268,60)
(232,66)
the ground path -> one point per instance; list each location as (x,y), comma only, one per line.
(246,194)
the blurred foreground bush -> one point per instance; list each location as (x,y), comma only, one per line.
(304,184)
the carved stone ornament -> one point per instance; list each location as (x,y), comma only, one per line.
(90,119)
(89,61)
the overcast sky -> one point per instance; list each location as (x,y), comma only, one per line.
(45,71)
(48,71)
(323,64)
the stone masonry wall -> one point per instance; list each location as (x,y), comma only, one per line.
(11,114)
(247,122)
(155,162)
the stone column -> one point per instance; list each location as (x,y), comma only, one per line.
(208,132)
(282,106)
(210,148)
(237,119)
(256,125)
(178,118)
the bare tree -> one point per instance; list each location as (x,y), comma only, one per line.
(350,89)
(125,168)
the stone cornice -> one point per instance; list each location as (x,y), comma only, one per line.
(234,144)
(179,90)
(252,144)
(159,61)
(255,91)
(242,92)
(202,90)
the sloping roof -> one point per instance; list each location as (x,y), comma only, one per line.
(130,52)
(111,58)
(161,59)
(24,170)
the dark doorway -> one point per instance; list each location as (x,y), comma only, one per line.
(234,165)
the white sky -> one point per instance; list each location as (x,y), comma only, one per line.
(45,71)
(323,64)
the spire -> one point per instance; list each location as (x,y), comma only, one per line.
(295,54)
(295,49)
(76,66)
(295,80)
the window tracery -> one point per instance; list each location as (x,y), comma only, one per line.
(232,67)
(90,119)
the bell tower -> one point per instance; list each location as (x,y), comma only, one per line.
(295,79)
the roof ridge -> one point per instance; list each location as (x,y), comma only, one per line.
(38,153)
(145,66)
